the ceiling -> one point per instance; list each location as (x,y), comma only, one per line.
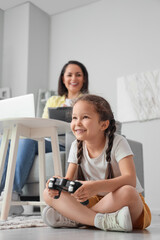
(51,7)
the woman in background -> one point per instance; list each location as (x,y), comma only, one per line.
(73,82)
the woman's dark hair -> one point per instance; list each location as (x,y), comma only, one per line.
(62,90)
(104,111)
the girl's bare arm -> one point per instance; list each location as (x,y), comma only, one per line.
(128,177)
(71,171)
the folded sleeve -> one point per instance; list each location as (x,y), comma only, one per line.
(121,148)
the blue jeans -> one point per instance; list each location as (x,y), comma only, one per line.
(27,150)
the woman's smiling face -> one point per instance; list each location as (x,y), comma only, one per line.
(73,78)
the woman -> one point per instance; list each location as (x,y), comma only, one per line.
(73,81)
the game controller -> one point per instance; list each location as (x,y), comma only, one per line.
(62,184)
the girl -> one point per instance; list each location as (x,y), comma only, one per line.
(73,81)
(106,162)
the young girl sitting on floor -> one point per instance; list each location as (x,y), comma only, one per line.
(106,161)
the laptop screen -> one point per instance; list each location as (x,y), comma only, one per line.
(60,113)
(17,107)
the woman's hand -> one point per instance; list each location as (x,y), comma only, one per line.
(86,191)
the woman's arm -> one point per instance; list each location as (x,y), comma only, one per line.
(54,101)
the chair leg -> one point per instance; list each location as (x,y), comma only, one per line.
(42,169)
(56,154)
(3,150)
(10,172)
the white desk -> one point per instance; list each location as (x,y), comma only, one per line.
(34,128)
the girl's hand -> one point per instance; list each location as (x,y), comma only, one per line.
(86,191)
(50,178)
(51,192)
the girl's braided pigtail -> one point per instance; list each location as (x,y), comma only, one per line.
(79,150)
(112,129)
(79,157)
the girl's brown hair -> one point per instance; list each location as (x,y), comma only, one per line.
(104,111)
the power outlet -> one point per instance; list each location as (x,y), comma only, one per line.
(4,93)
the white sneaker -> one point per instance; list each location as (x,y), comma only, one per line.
(54,219)
(14,209)
(117,221)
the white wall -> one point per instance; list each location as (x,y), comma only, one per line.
(113,39)
(1,42)
(15,49)
(26,49)
(38,49)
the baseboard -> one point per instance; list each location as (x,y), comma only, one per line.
(155,212)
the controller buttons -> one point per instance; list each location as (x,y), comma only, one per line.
(72,183)
(71,187)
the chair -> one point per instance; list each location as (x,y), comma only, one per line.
(43,96)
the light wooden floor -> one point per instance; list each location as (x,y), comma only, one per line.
(152,233)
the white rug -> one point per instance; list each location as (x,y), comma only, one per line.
(26,221)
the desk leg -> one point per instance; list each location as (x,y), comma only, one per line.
(10,173)
(42,169)
(56,154)
(3,150)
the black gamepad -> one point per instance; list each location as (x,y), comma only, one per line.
(65,185)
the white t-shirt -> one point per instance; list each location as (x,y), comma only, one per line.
(95,168)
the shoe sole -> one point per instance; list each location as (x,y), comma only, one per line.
(129,227)
(45,210)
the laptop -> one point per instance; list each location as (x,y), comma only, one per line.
(17,107)
(60,113)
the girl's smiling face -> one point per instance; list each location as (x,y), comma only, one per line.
(86,124)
